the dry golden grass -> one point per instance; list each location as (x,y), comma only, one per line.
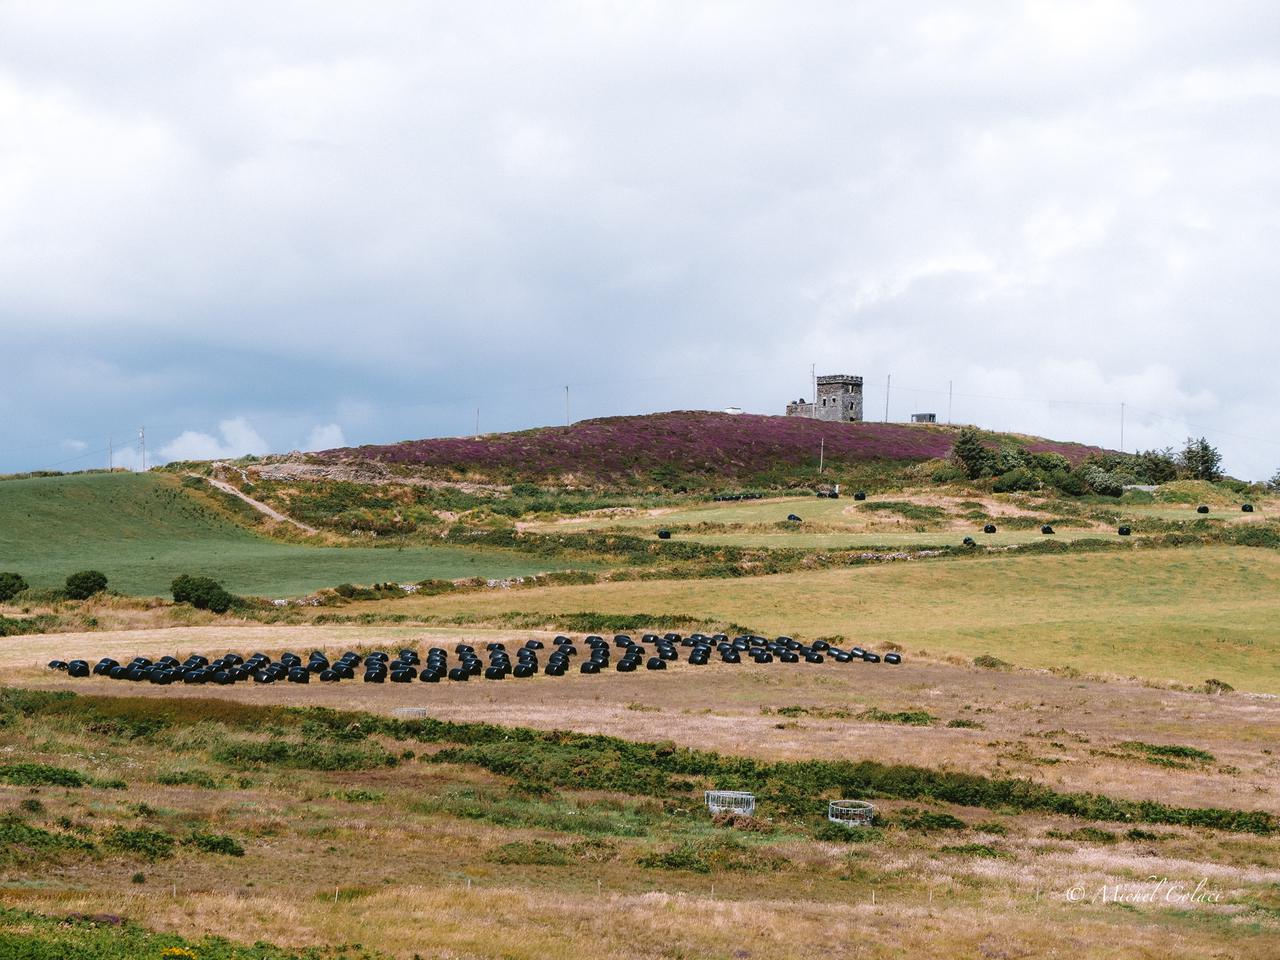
(1173,615)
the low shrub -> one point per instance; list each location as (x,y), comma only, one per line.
(186,778)
(975,850)
(713,856)
(910,718)
(20,841)
(988,662)
(214,843)
(144,842)
(42,775)
(1083,835)
(304,756)
(1169,751)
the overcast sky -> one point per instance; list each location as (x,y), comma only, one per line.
(259,226)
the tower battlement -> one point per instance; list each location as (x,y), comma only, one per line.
(839,399)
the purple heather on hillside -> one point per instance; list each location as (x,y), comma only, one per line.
(726,444)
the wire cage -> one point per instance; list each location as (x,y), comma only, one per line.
(731,801)
(851,813)
(410,713)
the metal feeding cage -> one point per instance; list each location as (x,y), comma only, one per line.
(851,813)
(731,801)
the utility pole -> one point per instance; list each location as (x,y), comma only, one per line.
(813,382)
(888,382)
(822,453)
(142,443)
(110,456)
(949,386)
(1122,426)
(566,405)
(477,421)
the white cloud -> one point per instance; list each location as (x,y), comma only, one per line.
(238,438)
(326,437)
(406,213)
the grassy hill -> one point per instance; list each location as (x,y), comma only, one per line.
(142,530)
(697,446)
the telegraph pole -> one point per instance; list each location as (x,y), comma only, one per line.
(813,382)
(949,386)
(142,443)
(1122,426)
(888,382)
(110,456)
(822,453)
(566,405)
(477,421)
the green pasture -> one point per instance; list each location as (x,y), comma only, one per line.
(142,530)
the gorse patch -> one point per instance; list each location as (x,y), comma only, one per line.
(41,775)
(558,760)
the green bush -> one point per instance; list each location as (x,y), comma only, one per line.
(910,718)
(712,856)
(11,584)
(214,843)
(85,583)
(988,662)
(1049,462)
(144,842)
(41,775)
(20,841)
(203,593)
(304,756)
(1083,834)
(184,778)
(1019,478)
(975,850)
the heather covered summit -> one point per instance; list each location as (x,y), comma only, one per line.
(666,446)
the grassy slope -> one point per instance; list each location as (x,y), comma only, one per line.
(1183,615)
(142,530)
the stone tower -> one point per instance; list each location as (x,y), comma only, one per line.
(839,398)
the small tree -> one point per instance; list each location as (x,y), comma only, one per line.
(83,585)
(11,584)
(972,454)
(1155,466)
(1200,460)
(1274,482)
